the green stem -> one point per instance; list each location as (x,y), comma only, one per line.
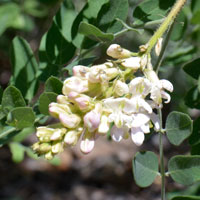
(162,164)
(160,58)
(164,26)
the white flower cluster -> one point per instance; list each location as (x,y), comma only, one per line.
(103,97)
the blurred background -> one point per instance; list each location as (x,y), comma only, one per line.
(106,173)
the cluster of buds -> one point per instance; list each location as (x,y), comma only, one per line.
(105,97)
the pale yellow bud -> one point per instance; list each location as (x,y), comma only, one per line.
(44,147)
(71,137)
(58,134)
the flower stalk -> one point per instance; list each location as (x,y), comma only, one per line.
(164,26)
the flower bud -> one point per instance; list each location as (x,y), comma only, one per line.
(57,147)
(83,102)
(121,88)
(132,62)
(81,71)
(96,72)
(92,120)
(75,84)
(116,51)
(44,131)
(158,46)
(49,155)
(36,146)
(71,137)
(87,142)
(58,134)
(61,99)
(44,147)
(69,120)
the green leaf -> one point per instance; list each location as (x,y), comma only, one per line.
(94,33)
(59,51)
(12,98)
(192,98)
(145,168)
(192,68)
(108,14)
(1,93)
(93,8)
(178,127)
(53,84)
(186,198)
(151,10)
(46,66)
(25,68)
(195,18)
(195,6)
(64,19)
(9,16)
(2,114)
(6,134)
(185,169)
(179,27)
(17,151)
(21,117)
(194,139)
(195,149)
(45,99)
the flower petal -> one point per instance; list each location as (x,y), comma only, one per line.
(87,143)
(117,133)
(156,121)
(166,96)
(137,136)
(139,119)
(167,85)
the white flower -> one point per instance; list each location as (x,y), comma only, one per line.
(121,88)
(115,107)
(140,87)
(101,73)
(158,87)
(132,62)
